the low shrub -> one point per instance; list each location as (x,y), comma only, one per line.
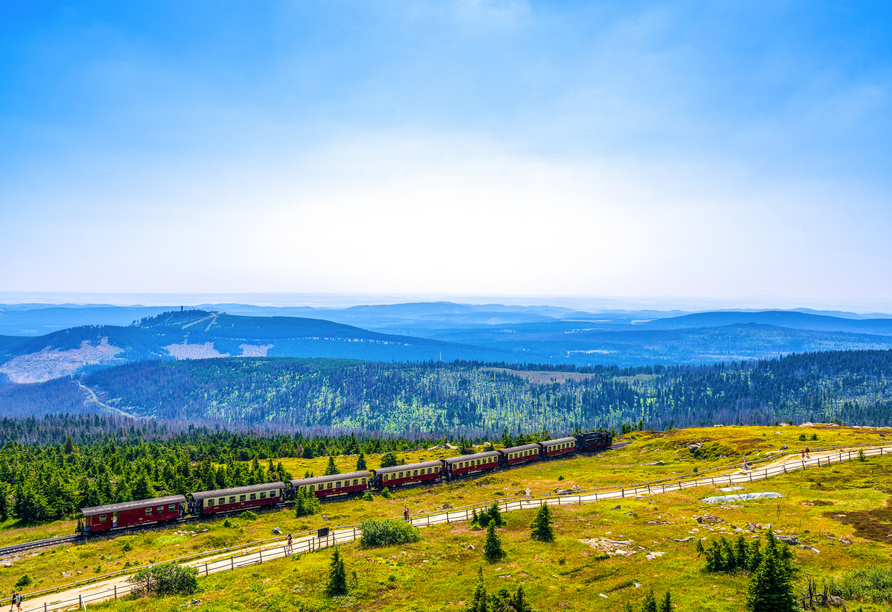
(127,547)
(386,493)
(248,515)
(368,496)
(24,581)
(165,579)
(387,532)
(870,584)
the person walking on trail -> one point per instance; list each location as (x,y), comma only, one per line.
(12,605)
(528,493)
(807,455)
(18,602)
(290,546)
(406,512)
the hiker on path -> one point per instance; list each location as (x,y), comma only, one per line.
(807,455)
(406,512)
(290,544)
(18,602)
(12,605)
(528,493)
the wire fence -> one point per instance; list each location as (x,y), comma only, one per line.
(342,535)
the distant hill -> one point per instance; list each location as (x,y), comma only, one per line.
(777,318)
(198,334)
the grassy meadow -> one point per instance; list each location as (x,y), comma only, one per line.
(819,506)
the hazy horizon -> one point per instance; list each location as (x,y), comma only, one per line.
(335,301)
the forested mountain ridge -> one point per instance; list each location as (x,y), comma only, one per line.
(474,398)
(196,334)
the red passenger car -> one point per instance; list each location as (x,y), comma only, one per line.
(351,483)
(429,471)
(468,464)
(559,447)
(521,454)
(126,514)
(239,498)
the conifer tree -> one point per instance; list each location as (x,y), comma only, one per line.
(69,445)
(666,603)
(770,589)
(541,525)
(479,602)
(4,503)
(475,519)
(337,575)
(332,468)
(494,515)
(360,463)
(492,548)
(650,603)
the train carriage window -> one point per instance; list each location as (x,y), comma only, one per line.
(148,511)
(329,485)
(171,508)
(363,481)
(338,484)
(241,498)
(221,501)
(253,496)
(102,518)
(210,503)
(160,509)
(263,495)
(401,474)
(415,473)
(232,499)
(273,493)
(321,486)
(355,481)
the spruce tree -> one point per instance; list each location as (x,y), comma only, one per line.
(332,468)
(650,603)
(69,445)
(541,525)
(494,515)
(492,548)
(360,463)
(479,602)
(770,589)
(4,503)
(666,603)
(337,575)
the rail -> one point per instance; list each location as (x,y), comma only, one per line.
(349,533)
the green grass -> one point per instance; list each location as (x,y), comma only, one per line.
(853,488)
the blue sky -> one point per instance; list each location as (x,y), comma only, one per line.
(736,151)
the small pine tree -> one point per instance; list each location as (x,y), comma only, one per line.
(360,463)
(861,455)
(541,525)
(69,445)
(666,603)
(331,469)
(475,519)
(479,602)
(771,589)
(650,603)
(495,516)
(337,575)
(492,548)
(389,460)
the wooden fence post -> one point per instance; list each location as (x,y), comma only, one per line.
(116,596)
(623,492)
(231,562)
(261,555)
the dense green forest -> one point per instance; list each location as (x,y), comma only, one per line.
(51,467)
(330,396)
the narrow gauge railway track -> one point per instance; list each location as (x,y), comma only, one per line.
(82,538)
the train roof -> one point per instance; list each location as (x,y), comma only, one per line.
(238,490)
(300,482)
(517,449)
(134,505)
(487,454)
(411,466)
(559,441)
